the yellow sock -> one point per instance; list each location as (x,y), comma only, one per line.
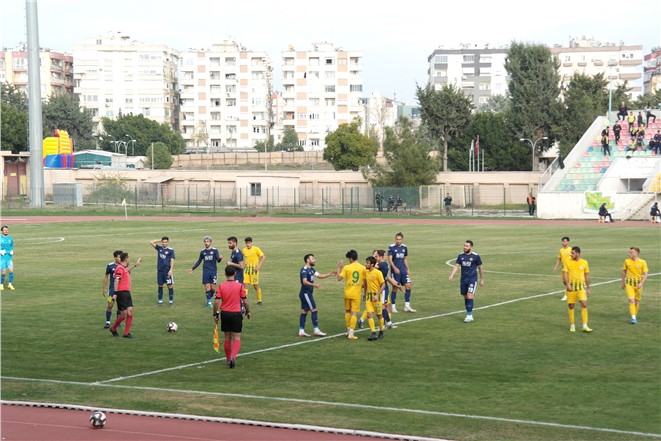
(352,321)
(632,309)
(584,315)
(364,316)
(637,307)
(259,294)
(571,316)
(347,319)
(371,323)
(381,323)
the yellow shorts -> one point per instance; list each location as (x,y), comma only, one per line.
(251,279)
(572,296)
(352,305)
(374,307)
(632,292)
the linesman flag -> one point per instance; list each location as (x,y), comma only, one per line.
(216,340)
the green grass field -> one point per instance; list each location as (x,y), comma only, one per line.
(516,373)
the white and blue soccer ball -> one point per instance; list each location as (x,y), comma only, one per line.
(172,327)
(98,419)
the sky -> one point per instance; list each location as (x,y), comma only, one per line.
(396,38)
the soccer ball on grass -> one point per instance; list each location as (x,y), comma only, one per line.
(98,420)
(172,327)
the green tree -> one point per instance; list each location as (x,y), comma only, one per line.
(500,153)
(533,90)
(348,149)
(496,104)
(289,141)
(162,158)
(267,145)
(143,130)
(14,129)
(585,98)
(64,112)
(650,100)
(446,113)
(14,97)
(411,161)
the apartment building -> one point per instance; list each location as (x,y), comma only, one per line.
(478,71)
(322,88)
(114,74)
(56,71)
(617,62)
(226,96)
(652,72)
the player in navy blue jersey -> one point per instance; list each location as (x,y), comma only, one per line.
(308,305)
(164,268)
(236,259)
(108,290)
(210,256)
(470,264)
(399,265)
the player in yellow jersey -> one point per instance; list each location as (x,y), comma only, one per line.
(254,259)
(354,274)
(374,286)
(563,254)
(576,275)
(634,275)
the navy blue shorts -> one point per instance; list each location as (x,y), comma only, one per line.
(307,302)
(163,279)
(402,278)
(468,287)
(209,277)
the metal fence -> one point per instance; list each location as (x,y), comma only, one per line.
(467,200)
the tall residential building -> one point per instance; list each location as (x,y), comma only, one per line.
(652,72)
(56,73)
(618,63)
(479,72)
(226,95)
(114,75)
(322,88)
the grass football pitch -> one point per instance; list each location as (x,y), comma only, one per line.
(515,373)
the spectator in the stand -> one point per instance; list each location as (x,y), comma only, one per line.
(656,148)
(640,137)
(640,119)
(633,132)
(631,119)
(605,144)
(649,115)
(622,114)
(616,133)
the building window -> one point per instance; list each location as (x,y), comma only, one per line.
(356,88)
(329,88)
(441,59)
(469,58)
(255,189)
(329,62)
(314,61)
(314,142)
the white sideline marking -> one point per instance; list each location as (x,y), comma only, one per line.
(349,405)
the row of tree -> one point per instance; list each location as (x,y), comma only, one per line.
(536,106)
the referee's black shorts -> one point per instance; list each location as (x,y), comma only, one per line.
(231,321)
(124,300)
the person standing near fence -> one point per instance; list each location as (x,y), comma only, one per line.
(448,204)
(164,268)
(211,257)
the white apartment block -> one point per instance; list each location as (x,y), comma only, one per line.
(479,72)
(56,71)
(114,75)
(226,95)
(618,63)
(652,73)
(322,88)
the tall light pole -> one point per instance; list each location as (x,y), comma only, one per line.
(533,145)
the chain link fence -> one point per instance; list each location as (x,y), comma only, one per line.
(208,199)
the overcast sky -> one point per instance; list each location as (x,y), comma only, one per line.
(396,37)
